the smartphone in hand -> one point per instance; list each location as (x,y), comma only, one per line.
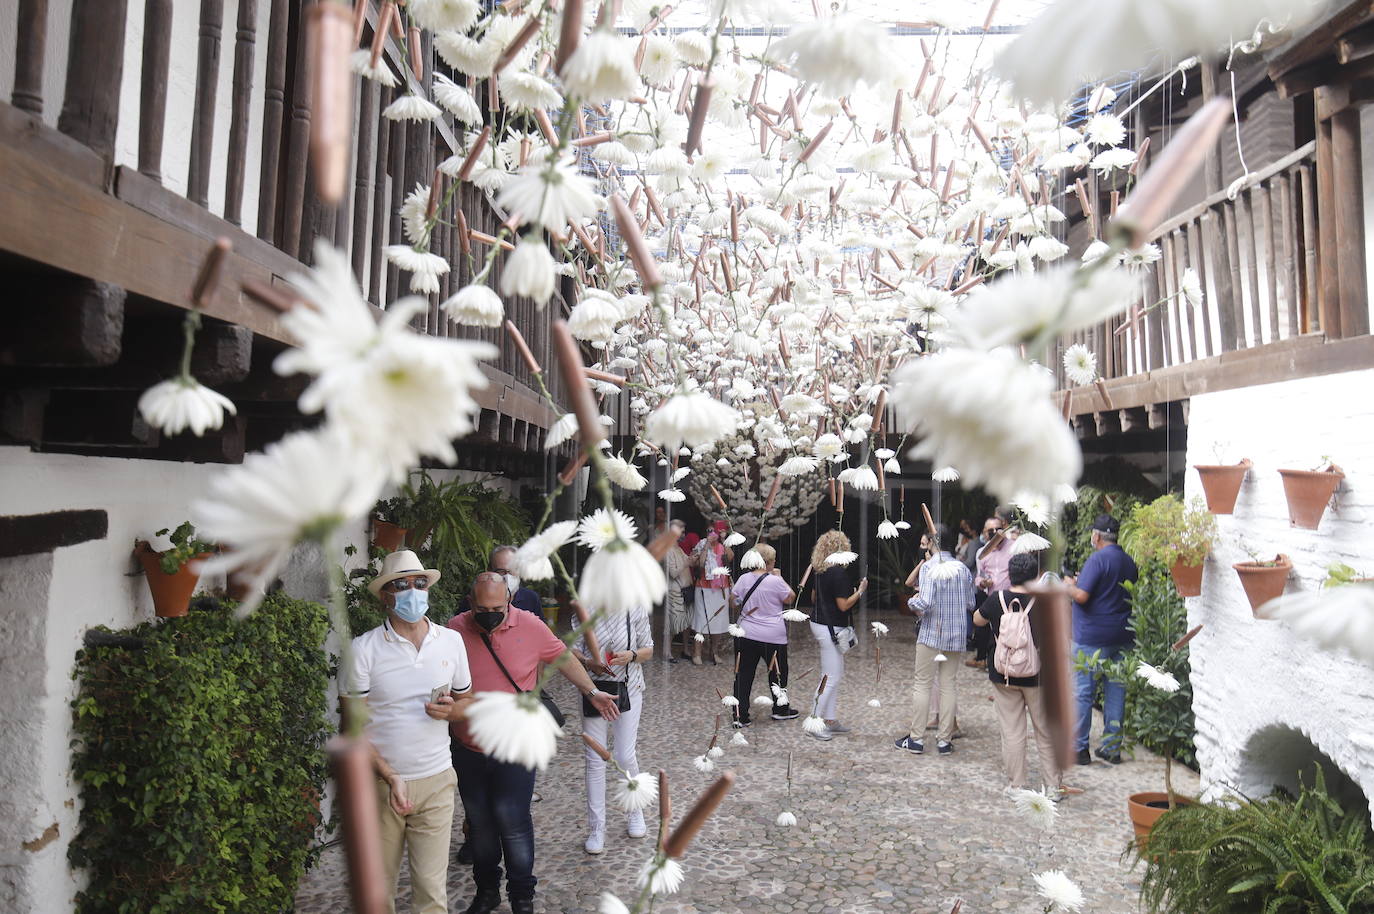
(439,692)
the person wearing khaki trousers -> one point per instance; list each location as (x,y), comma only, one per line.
(423,833)
(1017,697)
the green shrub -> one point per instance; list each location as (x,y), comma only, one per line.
(1277,855)
(1076,520)
(1167,530)
(198,753)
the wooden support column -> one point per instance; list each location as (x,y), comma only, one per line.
(245,49)
(152,95)
(1328,270)
(364,163)
(95,66)
(32,32)
(297,140)
(273,109)
(1348,184)
(1226,290)
(203,117)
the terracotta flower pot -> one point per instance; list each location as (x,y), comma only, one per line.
(1221,484)
(1147,807)
(1308,492)
(1187,578)
(387,536)
(171,592)
(1263,583)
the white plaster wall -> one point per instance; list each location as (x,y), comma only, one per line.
(90,587)
(1248,674)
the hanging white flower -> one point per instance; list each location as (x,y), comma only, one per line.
(636,792)
(1059,889)
(435,15)
(734,539)
(529,271)
(514,728)
(1334,618)
(690,418)
(550,194)
(864,479)
(879,628)
(704,764)
(604,526)
(532,560)
(735,631)
(662,875)
(1029,542)
(563,428)
(1035,807)
(738,739)
(798,465)
(887,530)
(672,495)
(602,67)
(411,108)
(424,267)
(611,905)
(874,703)
(184,403)
(1080,364)
(360,62)
(837,53)
(786,819)
(945,474)
(841,558)
(761,701)
(1045,304)
(1160,679)
(623,473)
(523,91)
(620,577)
(794,615)
(475,305)
(1035,506)
(813,725)
(456,100)
(751,560)
(1192,288)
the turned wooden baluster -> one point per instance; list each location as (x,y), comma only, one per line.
(273,111)
(364,180)
(380,214)
(245,49)
(95,66)
(203,119)
(152,92)
(297,143)
(30,44)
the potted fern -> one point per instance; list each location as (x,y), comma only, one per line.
(1178,535)
(170,576)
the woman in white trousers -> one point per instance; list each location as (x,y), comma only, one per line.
(831,625)
(626,642)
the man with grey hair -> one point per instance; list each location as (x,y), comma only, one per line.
(499,562)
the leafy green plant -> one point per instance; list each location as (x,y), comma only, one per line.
(1161,721)
(185,546)
(396,510)
(1076,519)
(198,751)
(1276,855)
(1338,574)
(1167,530)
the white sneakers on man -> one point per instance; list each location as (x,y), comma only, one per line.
(634,825)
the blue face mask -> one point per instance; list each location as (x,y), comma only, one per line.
(411,604)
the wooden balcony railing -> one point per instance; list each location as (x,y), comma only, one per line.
(204,165)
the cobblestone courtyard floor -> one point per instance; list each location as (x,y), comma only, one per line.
(878,829)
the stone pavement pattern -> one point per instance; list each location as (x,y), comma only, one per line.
(877,829)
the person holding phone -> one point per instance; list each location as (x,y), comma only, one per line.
(711,619)
(414,677)
(625,642)
(831,625)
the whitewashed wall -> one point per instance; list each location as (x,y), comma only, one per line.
(1260,692)
(89,586)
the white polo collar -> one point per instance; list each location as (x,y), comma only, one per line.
(391,635)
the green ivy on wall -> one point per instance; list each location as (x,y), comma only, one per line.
(198,750)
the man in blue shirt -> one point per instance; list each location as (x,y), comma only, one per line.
(1102,609)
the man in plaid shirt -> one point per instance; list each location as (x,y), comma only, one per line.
(944,598)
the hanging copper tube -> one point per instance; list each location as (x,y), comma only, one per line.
(816,141)
(517,338)
(522,37)
(417,59)
(384,19)
(678,841)
(276,299)
(577,390)
(773,492)
(697,124)
(470,161)
(665,808)
(569,33)
(350,760)
(644,262)
(331,118)
(359,20)
(211,266)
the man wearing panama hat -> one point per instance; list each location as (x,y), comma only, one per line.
(414,676)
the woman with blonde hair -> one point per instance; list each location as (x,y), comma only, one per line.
(830,621)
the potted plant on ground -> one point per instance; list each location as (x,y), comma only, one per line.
(1221,484)
(170,577)
(1308,491)
(1175,534)
(1263,579)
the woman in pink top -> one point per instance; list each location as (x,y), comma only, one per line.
(761,596)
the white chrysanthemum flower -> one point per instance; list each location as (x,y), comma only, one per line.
(464,54)
(944,571)
(837,53)
(1051,302)
(1029,542)
(1080,365)
(690,418)
(734,539)
(841,558)
(623,473)
(436,15)
(693,47)
(424,267)
(887,530)
(1335,618)
(1112,159)
(892,466)
(1160,679)
(181,403)
(762,701)
(603,66)
(699,638)
(514,728)
(594,318)
(1049,60)
(523,91)
(940,658)
(360,62)
(637,792)
(1192,288)
(1035,506)
(550,194)
(411,108)
(735,631)
(611,905)
(704,764)
(1035,807)
(730,701)
(813,725)
(660,60)
(795,615)
(1105,130)
(720,571)
(786,819)
(798,465)
(672,495)
(603,526)
(945,474)
(738,739)
(293,491)
(1059,889)
(475,305)
(415,216)
(531,560)
(879,628)
(987,429)
(456,100)
(828,447)
(874,703)
(621,577)
(864,479)
(662,875)
(562,429)
(751,560)
(529,271)
(779,694)
(903,525)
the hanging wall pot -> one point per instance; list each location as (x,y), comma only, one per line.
(1308,492)
(1221,484)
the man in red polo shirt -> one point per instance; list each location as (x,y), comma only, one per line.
(505,648)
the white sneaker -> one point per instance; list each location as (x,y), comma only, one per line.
(634,825)
(596,842)
(823,735)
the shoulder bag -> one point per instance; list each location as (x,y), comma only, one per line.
(614,687)
(544,697)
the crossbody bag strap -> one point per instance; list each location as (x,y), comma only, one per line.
(509,678)
(745,602)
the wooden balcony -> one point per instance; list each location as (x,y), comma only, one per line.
(109,207)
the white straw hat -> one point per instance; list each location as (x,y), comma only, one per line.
(400,564)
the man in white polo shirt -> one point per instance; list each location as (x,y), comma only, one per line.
(414,676)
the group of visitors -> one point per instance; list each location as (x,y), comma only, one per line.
(419,678)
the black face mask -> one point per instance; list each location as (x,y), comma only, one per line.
(488,620)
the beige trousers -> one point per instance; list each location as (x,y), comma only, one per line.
(1013,703)
(424,834)
(925,674)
